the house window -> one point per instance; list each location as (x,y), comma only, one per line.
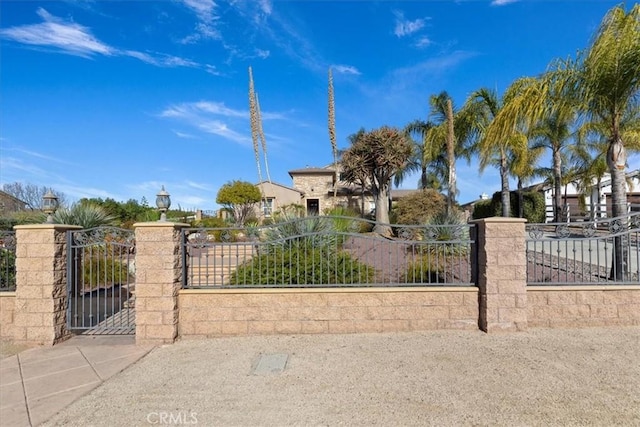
(267,207)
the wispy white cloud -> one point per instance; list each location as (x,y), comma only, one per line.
(346,69)
(205,28)
(74,39)
(431,66)
(215,118)
(199,186)
(70,37)
(204,116)
(183,135)
(265,6)
(406,27)
(502,2)
(204,9)
(423,41)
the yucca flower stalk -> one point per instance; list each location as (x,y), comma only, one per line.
(253,119)
(332,132)
(263,140)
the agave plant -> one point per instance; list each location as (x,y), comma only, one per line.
(84,215)
(309,232)
(449,233)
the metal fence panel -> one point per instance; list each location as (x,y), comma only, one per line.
(329,252)
(603,251)
(7,261)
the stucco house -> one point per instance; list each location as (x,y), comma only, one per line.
(313,189)
(580,204)
(275,196)
(9,204)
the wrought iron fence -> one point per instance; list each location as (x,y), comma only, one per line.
(329,251)
(7,261)
(101,280)
(603,251)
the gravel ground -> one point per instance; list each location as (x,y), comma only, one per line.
(538,378)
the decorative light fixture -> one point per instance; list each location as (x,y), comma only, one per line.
(49,205)
(163,202)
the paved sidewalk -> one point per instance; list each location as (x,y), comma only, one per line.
(37,383)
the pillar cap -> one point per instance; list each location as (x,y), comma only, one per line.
(499,219)
(160,224)
(57,227)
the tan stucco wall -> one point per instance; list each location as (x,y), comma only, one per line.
(210,313)
(580,306)
(7,310)
(283,196)
(319,186)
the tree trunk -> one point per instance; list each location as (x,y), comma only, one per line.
(506,202)
(616,160)
(382,226)
(423,178)
(520,200)
(451,157)
(557,181)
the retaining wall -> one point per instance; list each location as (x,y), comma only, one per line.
(210,313)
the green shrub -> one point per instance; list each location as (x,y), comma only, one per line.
(533,206)
(418,207)
(210,222)
(423,270)
(104,271)
(302,266)
(483,209)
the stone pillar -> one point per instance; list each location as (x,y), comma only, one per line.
(502,274)
(41,283)
(158,281)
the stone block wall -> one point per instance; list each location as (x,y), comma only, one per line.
(502,274)
(211,313)
(158,280)
(583,306)
(41,283)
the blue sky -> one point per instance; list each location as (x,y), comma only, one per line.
(116,98)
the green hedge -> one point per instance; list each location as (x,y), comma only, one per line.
(302,265)
(533,201)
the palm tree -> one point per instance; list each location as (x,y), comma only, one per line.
(609,84)
(501,129)
(523,168)
(452,132)
(426,158)
(553,132)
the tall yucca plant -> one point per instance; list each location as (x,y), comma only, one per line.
(254,121)
(332,132)
(263,140)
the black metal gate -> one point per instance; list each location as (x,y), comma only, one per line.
(101,281)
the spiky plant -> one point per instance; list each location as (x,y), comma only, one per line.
(332,132)
(84,215)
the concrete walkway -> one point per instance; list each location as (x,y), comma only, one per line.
(37,383)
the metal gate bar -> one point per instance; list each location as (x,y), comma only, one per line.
(101,281)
